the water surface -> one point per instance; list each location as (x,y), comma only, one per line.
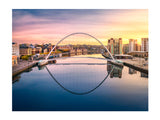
(80,87)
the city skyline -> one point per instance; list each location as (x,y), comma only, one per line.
(49,26)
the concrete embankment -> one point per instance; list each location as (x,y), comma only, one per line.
(136,63)
(137,67)
(22,66)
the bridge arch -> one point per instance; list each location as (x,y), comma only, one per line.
(75,34)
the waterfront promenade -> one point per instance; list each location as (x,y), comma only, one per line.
(24,65)
(21,66)
(137,63)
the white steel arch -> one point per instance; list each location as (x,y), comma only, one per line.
(75,34)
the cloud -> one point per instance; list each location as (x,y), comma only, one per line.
(40,24)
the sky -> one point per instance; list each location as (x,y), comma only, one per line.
(39,26)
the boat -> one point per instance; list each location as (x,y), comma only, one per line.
(42,62)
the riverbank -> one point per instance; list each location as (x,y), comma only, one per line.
(136,63)
(139,65)
(22,66)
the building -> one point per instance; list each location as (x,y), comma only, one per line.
(132,45)
(45,50)
(144,44)
(84,51)
(25,50)
(62,47)
(115,45)
(15,49)
(138,47)
(125,48)
(33,51)
(38,49)
(138,53)
(14,60)
(49,48)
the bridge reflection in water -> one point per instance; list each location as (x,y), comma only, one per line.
(111,69)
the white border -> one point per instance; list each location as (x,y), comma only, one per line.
(6,73)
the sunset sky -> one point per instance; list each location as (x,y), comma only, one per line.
(50,25)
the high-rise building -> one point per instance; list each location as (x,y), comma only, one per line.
(115,46)
(125,48)
(138,47)
(132,45)
(144,44)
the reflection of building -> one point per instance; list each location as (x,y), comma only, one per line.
(109,67)
(132,71)
(115,46)
(144,43)
(78,51)
(72,52)
(117,71)
(144,75)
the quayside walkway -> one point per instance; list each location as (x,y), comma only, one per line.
(22,66)
(137,63)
